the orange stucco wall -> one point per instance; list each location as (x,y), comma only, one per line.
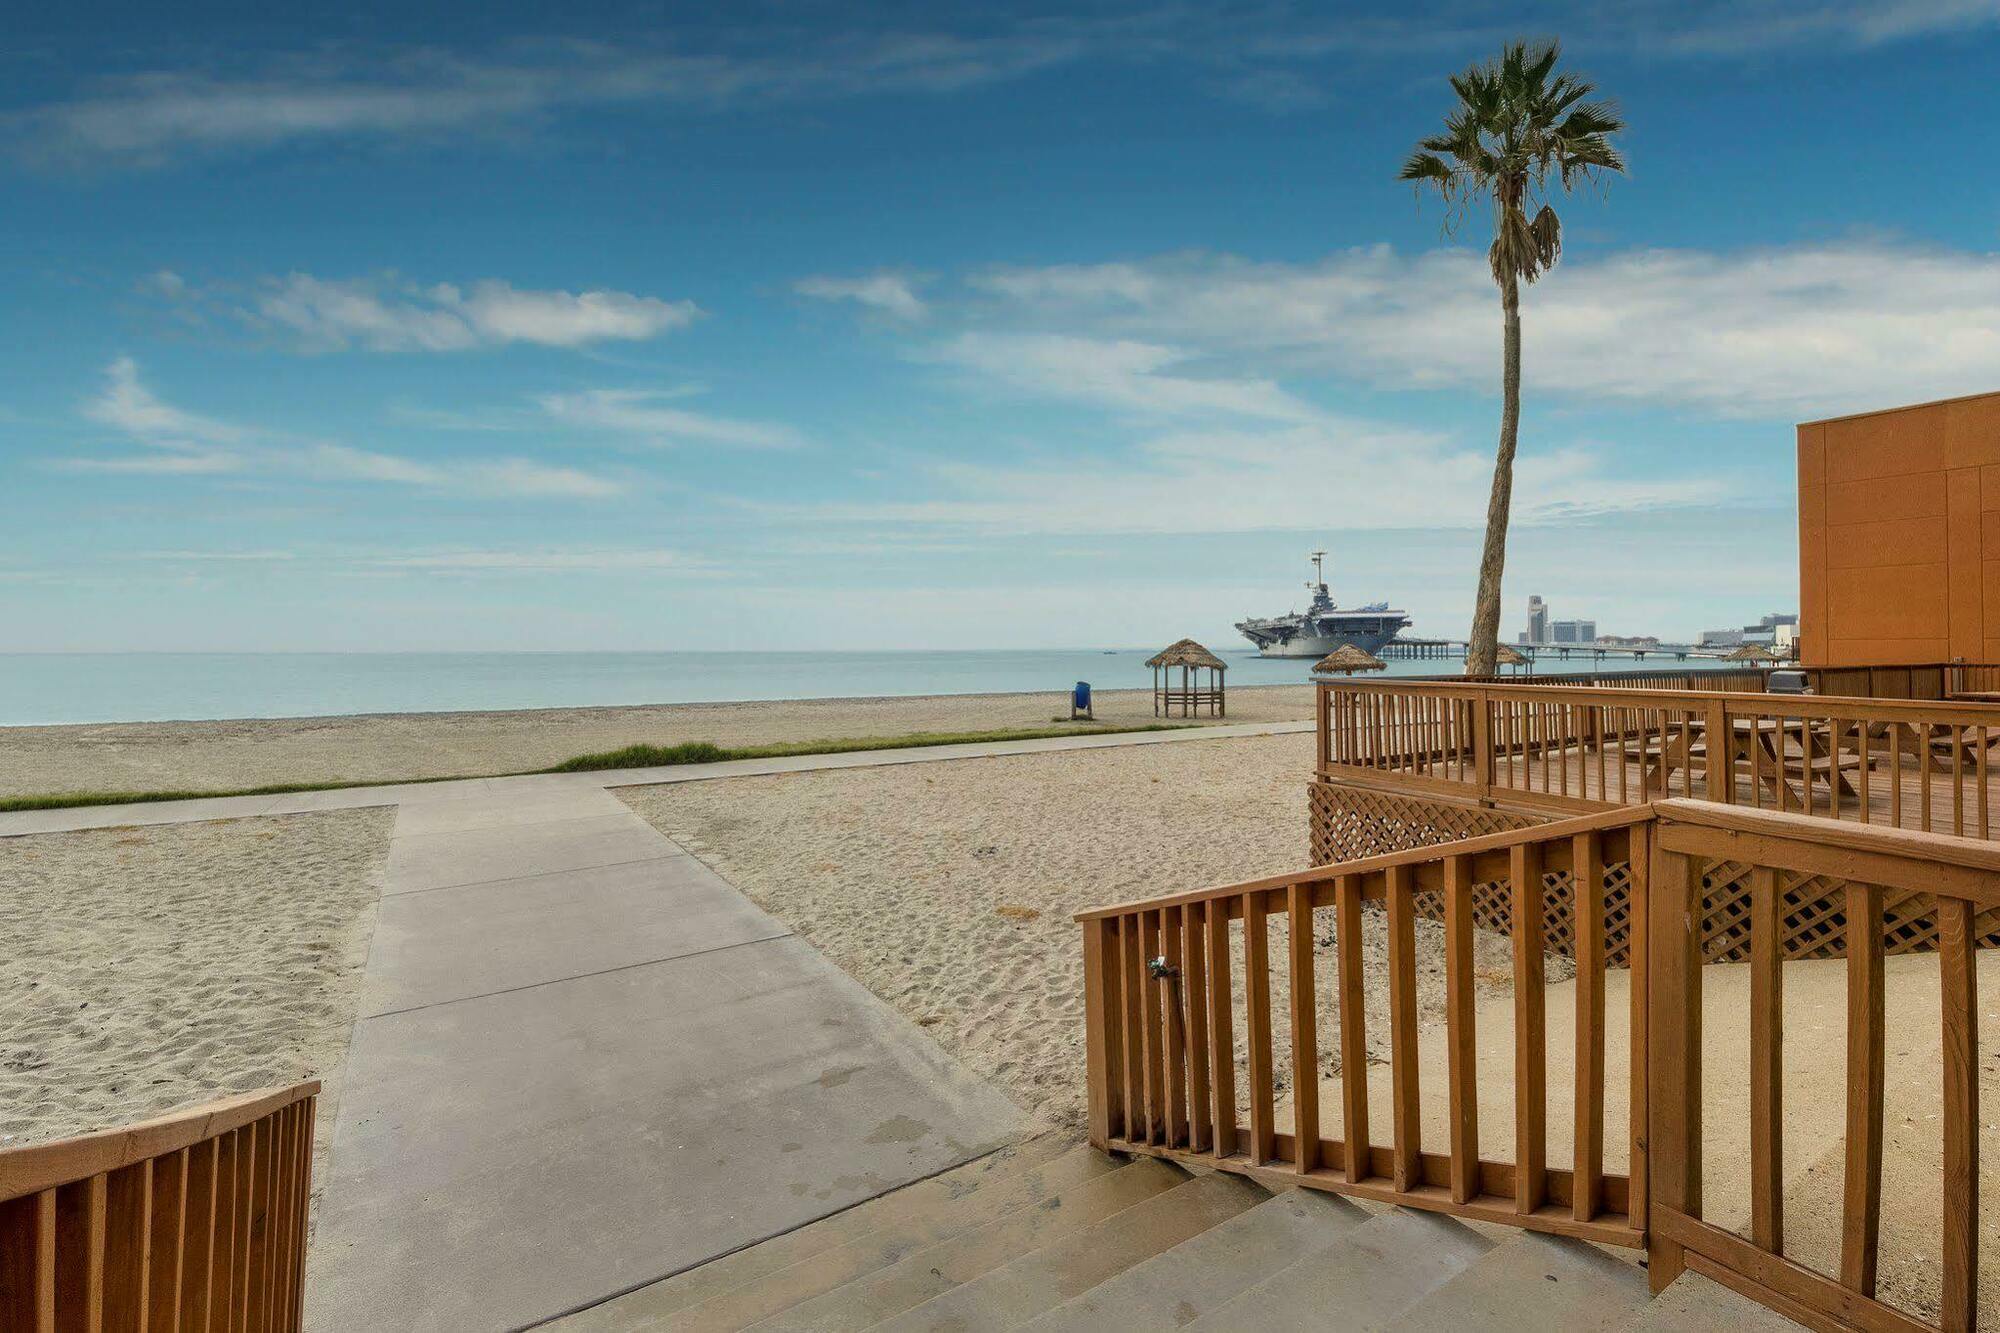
(1899,535)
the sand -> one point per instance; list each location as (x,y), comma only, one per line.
(394,747)
(155,968)
(948,888)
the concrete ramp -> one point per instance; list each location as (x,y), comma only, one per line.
(586,1062)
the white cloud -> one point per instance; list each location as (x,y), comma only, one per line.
(643,415)
(1805,330)
(388,315)
(890,292)
(1126,375)
(1355,474)
(186,443)
(226,103)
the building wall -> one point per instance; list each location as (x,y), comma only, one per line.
(1899,535)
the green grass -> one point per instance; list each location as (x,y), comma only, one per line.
(702,752)
(632,756)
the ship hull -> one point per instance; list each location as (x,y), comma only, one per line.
(1316,646)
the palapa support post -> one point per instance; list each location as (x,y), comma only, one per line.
(1191,695)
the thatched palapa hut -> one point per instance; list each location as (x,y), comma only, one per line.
(1753,652)
(1190,696)
(1346,660)
(1511,657)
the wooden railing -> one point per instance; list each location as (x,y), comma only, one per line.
(1961,879)
(192,1222)
(1163,980)
(1169,982)
(1907,763)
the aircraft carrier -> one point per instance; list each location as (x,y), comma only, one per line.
(1323,627)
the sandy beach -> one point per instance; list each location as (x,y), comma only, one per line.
(149,969)
(395,747)
(948,889)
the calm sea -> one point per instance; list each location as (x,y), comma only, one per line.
(40,688)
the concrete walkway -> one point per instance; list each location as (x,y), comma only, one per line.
(585,1062)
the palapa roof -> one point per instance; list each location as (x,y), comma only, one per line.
(1186,653)
(1507,656)
(1347,657)
(1752,652)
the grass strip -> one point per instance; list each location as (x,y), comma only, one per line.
(632,756)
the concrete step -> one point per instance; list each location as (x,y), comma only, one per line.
(936,1269)
(1073,1264)
(1370,1276)
(1535,1281)
(1186,1282)
(1694,1304)
(917,1225)
(647,1306)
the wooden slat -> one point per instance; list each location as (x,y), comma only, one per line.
(1200,1110)
(169,1223)
(1673,1041)
(1861,1202)
(1959,985)
(1152,1051)
(1104,1036)
(1132,992)
(128,1246)
(1221,1025)
(1530,1031)
(1173,1028)
(1638,1011)
(1407,1118)
(1460,1032)
(298,1276)
(80,1223)
(1587,893)
(1730,1259)
(1767,1036)
(197,1258)
(28,1263)
(1257,993)
(1353,1027)
(1305,1032)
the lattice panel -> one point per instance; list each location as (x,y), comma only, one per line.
(1813,917)
(1349,823)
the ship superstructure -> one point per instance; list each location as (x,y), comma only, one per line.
(1323,626)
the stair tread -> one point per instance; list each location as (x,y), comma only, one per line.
(644,1307)
(1072,1264)
(1535,1281)
(1370,1273)
(1693,1302)
(1181,1284)
(887,1292)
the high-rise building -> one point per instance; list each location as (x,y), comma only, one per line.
(1573,631)
(1538,620)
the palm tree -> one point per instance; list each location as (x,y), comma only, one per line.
(1518,123)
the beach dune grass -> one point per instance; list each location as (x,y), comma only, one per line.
(631,756)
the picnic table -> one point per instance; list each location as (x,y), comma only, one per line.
(1786,752)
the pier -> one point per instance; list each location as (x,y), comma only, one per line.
(1429,649)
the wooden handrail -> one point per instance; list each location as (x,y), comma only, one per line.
(1161,1029)
(195,1220)
(1492,842)
(34,1167)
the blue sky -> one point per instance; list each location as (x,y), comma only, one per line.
(910,326)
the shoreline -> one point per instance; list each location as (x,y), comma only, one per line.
(139,758)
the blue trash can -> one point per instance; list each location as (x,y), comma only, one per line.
(1079,699)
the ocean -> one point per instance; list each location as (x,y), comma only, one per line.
(51,688)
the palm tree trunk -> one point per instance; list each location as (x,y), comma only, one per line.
(1483,643)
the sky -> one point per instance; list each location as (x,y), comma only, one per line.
(790,325)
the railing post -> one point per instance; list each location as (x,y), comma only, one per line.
(1673,1049)
(1721,753)
(1103,1042)
(1482,740)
